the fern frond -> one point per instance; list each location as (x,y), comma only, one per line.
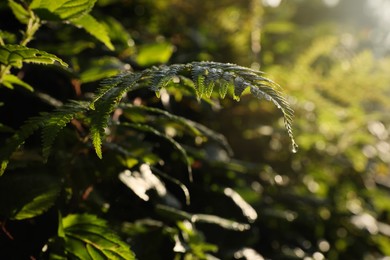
(56,121)
(106,104)
(105,86)
(50,123)
(160,76)
(13,143)
(198,77)
(205,76)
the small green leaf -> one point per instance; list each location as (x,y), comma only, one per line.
(96,29)
(19,11)
(7,36)
(61,9)
(100,68)
(15,55)
(89,237)
(97,142)
(156,53)
(14,80)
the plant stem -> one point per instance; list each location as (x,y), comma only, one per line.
(33,25)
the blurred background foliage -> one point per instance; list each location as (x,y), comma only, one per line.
(330,200)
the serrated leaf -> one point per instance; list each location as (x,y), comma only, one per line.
(25,196)
(96,29)
(62,9)
(104,103)
(56,121)
(51,123)
(14,55)
(9,80)
(26,130)
(97,141)
(19,11)
(88,237)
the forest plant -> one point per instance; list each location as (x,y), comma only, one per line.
(85,235)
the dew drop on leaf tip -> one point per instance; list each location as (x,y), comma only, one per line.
(294,148)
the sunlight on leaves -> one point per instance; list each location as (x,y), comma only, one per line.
(15,55)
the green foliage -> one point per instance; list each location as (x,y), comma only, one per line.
(89,237)
(153,126)
(147,150)
(63,9)
(16,55)
(29,195)
(51,124)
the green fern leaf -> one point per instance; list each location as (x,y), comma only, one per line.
(51,124)
(13,143)
(240,85)
(56,121)
(160,76)
(223,88)
(213,76)
(204,76)
(198,78)
(105,86)
(105,104)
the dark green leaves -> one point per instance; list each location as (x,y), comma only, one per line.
(51,124)
(88,237)
(28,195)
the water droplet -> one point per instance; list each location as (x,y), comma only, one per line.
(267,97)
(294,148)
